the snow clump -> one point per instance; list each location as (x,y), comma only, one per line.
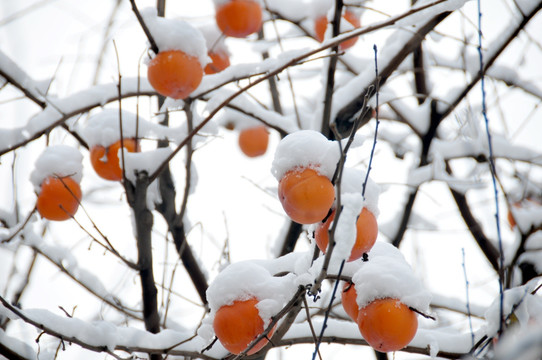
(57,160)
(306,149)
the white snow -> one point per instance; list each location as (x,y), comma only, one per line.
(219,3)
(528,216)
(352,182)
(175,34)
(244,112)
(436,170)
(417,18)
(247,279)
(103,128)
(293,10)
(519,301)
(57,160)
(306,148)
(436,340)
(526,6)
(19,76)
(345,233)
(62,109)
(387,274)
(108,335)
(214,40)
(146,161)
(16,345)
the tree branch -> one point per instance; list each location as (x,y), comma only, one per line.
(137,198)
(489,59)
(345,115)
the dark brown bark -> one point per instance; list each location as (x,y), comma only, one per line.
(144,221)
(345,116)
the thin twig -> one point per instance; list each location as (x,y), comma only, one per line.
(146,30)
(332,66)
(492,169)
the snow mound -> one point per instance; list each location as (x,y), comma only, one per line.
(352,182)
(388,275)
(175,34)
(57,160)
(247,279)
(306,148)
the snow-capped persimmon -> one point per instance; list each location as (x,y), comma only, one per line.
(348,299)
(239,18)
(306,195)
(321,23)
(253,141)
(220,60)
(366,234)
(238,324)
(59,198)
(387,324)
(174,73)
(105,160)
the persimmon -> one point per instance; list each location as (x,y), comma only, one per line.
(239,18)
(59,198)
(366,234)
(219,61)
(387,324)
(253,141)
(105,160)
(174,73)
(348,299)
(305,195)
(238,324)
(320,27)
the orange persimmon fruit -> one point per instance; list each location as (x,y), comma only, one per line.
(348,299)
(238,324)
(239,18)
(59,198)
(305,195)
(174,73)
(219,61)
(320,27)
(105,160)
(366,234)
(253,141)
(387,324)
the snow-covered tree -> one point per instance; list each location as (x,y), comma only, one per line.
(270,179)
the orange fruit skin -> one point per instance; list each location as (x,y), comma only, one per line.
(175,74)
(237,325)
(387,324)
(239,18)
(320,26)
(306,196)
(366,234)
(220,61)
(106,162)
(348,299)
(55,202)
(253,141)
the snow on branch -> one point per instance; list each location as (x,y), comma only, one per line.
(16,76)
(104,336)
(57,111)
(429,342)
